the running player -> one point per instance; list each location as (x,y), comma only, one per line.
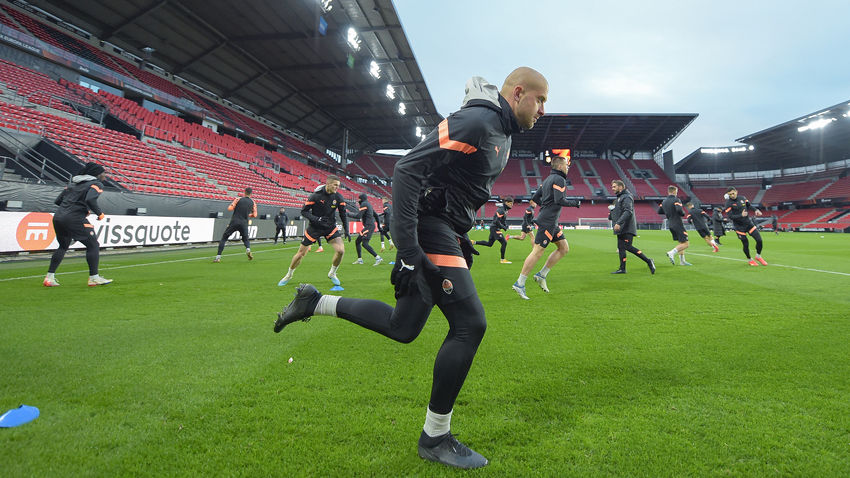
(365,214)
(498,225)
(437,188)
(551,198)
(319,210)
(242,208)
(699,219)
(625,226)
(672,208)
(736,210)
(386,220)
(70,223)
(527,223)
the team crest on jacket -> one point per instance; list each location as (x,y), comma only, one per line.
(334,202)
(448,288)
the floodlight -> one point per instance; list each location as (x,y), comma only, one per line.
(375,70)
(390,92)
(402,110)
(816,124)
(353,39)
(325,5)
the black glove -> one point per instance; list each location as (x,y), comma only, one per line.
(348,236)
(468,250)
(408,265)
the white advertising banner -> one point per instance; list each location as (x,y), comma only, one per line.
(33,231)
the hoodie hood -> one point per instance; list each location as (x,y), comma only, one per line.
(81,178)
(363,198)
(478,88)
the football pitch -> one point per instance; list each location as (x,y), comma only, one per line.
(718,369)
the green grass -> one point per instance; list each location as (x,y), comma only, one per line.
(720,369)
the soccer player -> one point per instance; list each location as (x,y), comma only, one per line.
(280,225)
(386,220)
(497,226)
(365,214)
(717,220)
(242,208)
(672,208)
(700,219)
(774,223)
(625,226)
(527,223)
(736,210)
(550,197)
(70,223)
(320,210)
(437,188)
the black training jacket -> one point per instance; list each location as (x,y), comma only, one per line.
(624,213)
(79,198)
(673,209)
(551,198)
(450,173)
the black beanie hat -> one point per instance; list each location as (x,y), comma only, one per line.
(363,197)
(92,169)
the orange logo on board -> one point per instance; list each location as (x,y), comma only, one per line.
(35,231)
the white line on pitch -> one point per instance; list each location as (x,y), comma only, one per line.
(772,264)
(143,264)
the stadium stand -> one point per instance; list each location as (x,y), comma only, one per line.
(511,182)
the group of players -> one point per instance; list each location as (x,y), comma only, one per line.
(438,187)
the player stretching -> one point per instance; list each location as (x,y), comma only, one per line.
(736,209)
(386,220)
(551,198)
(319,210)
(242,208)
(70,223)
(700,220)
(497,226)
(367,215)
(437,188)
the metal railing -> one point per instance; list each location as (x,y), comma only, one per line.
(34,163)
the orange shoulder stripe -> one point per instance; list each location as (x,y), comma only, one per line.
(450,144)
(97,188)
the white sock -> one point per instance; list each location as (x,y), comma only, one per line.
(327,305)
(544,271)
(50,275)
(333,270)
(218,256)
(378,258)
(290,273)
(94,276)
(382,243)
(436,424)
(673,251)
(247,249)
(391,241)
(682,258)
(713,243)
(521,280)
(758,256)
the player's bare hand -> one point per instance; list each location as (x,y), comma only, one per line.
(758,213)
(616,227)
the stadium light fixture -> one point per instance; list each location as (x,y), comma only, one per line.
(325,5)
(821,123)
(375,70)
(353,39)
(402,110)
(390,92)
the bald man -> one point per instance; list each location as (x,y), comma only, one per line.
(437,188)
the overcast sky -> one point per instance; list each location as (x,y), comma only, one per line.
(743,66)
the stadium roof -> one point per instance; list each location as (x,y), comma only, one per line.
(593,134)
(269,57)
(793,144)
